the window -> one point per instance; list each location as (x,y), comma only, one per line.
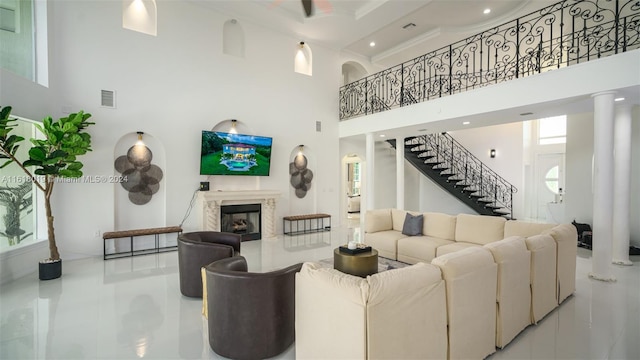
(19,206)
(552,130)
(552,179)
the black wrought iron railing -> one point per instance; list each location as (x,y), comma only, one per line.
(566,33)
(466,171)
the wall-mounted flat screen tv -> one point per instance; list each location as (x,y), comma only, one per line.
(234,154)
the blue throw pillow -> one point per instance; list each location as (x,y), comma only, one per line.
(412,225)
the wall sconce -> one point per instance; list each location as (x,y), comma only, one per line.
(233,126)
(492,153)
(301,44)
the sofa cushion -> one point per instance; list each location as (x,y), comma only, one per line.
(470,279)
(419,248)
(524,228)
(514,291)
(378,220)
(407,314)
(397,219)
(439,225)
(543,275)
(453,247)
(412,225)
(479,229)
(566,237)
(330,309)
(384,242)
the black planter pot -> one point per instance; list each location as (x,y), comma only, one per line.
(50,270)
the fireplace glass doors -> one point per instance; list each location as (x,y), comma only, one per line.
(241,219)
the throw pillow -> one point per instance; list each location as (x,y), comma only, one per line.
(412,225)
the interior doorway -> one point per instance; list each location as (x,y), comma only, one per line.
(352,189)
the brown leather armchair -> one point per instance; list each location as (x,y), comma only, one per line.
(197,249)
(251,315)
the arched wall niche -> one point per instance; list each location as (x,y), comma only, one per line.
(352,71)
(303,61)
(140,16)
(233,38)
(302,180)
(129,215)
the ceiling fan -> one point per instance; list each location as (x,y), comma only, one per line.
(310,5)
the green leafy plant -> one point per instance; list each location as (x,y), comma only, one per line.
(54,156)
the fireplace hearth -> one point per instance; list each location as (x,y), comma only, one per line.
(242,219)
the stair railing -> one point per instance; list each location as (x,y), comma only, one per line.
(563,34)
(466,169)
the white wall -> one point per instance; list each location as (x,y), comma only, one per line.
(579,160)
(173,86)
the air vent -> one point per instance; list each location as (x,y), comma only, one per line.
(108,98)
(319,126)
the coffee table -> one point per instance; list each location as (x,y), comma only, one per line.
(361,264)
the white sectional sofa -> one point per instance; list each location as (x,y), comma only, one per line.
(499,277)
(390,315)
(443,234)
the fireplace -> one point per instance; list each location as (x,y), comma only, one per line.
(210,203)
(242,219)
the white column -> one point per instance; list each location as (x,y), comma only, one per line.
(370,153)
(400,172)
(603,114)
(622,185)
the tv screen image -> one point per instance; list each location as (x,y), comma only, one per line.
(234,154)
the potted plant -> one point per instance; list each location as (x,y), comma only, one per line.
(52,157)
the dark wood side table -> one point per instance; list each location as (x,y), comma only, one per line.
(361,264)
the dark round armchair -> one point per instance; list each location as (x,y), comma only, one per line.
(251,315)
(197,249)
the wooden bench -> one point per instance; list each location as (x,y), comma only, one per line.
(310,223)
(139,232)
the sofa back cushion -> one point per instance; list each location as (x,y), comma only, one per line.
(397,217)
(330,309)
(407,314)
(525,229)
(479,229)
(378,220)
(439,225)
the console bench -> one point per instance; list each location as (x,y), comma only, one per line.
(135,233)
(310,223)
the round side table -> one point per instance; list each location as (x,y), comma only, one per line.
(361,264)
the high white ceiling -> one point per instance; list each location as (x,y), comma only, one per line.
(351,25)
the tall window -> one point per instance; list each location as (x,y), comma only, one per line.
(552,130)
(19,207)
(23,35)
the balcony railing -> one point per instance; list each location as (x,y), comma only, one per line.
(566,33)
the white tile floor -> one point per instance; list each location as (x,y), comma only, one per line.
(132,308)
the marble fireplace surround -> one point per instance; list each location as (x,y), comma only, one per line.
(209,203)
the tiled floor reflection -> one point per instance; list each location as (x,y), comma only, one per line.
(131,308)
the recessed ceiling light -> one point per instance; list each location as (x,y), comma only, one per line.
(409,26)
(526,113)
(382,135)
(466,123)
(372,44)
(486,11)
(619,99)
(422,130)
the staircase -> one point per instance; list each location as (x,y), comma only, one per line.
(455,169)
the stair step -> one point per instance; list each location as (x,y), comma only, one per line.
(502,211)
(493,207)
